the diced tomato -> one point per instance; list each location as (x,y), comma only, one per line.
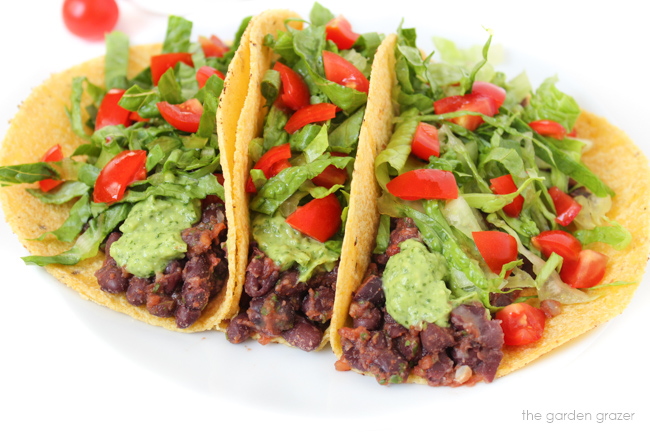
(548,128)
(566,207)
(134,116)
(53,154)
(559,242)
(471,102)
(206,72)
(110,112)
(339,31)
(331,176)
(213,47)
(162,62)
(449,104)
(573,133)
(425,142)
(521,323)
(319,219)
(341,71)
(497,248)
(424,183)
(295,93)
(185,116)
(270,165)
(125,168)
(496,93)
(587,271)
(310,114)
(506,185)
(278,167)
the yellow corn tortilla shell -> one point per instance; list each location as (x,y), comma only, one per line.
(40,123)
(249,126)
(363,212)
(613,157)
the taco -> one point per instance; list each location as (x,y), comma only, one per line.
(128,206)
(293,183)
(500,230)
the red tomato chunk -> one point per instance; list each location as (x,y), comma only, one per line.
(125,168)
(319,219)
(521,323)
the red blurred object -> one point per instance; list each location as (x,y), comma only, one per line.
(90,19)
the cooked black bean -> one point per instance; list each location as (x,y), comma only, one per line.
(304,335)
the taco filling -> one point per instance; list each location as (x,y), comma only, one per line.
(487,220)
(299,184)
(146,186)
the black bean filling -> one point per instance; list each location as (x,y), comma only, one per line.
(276,304)
(186,286)
(466,352)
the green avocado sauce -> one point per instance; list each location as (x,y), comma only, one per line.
(286,246)
(414,287)
(151,235)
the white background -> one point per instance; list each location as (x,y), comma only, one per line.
(67,363)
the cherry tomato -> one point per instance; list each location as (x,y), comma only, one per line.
(559,242)
(295,93)
(424,183)
(110,112)
(271,163)
(521,323)
(496,93)
(310,114)
(341,71)
(425,142)
(587,271)
(53,154)
(125,168)
(548,128)
(213,46)
(506,185)
(205,72)
(185,116)
(471,102)
(496,248)
(162,62)
(319,219)
(90,19)
(566,207)
(339,31)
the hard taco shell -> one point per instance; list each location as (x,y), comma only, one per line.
(630,208)
(40,123)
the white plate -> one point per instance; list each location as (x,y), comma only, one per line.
(68,362)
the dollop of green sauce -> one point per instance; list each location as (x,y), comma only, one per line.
(151,235)
(414,286)
(287,246)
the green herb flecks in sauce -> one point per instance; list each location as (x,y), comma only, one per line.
(152,235)
(414,287)
(286,246)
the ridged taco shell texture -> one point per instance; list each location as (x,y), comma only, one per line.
(249,126)
(624,167)
(613,156)
(41,123)
(363,213)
